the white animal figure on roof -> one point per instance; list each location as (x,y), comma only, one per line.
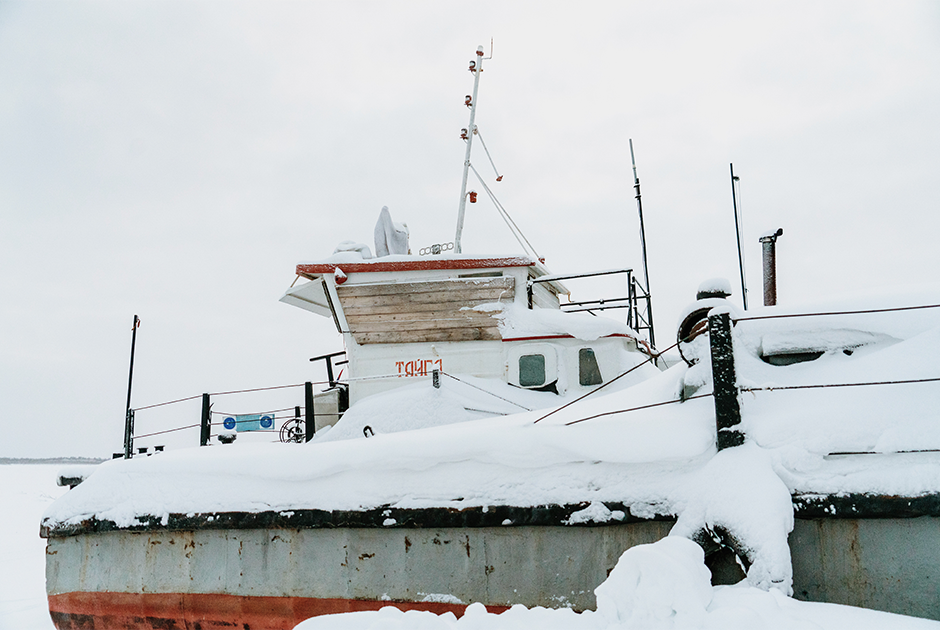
(390,237)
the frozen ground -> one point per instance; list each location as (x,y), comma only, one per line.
(25,492)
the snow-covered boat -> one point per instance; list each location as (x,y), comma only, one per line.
(498,450)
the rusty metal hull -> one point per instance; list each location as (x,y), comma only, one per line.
(178,579)
(272,570)
(890,564)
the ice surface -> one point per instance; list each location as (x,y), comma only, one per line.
(25,491)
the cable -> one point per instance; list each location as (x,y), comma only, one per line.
(492,163)
(824,386)
(862,312)
(256,389)
(659,404)
(508,219)
(191,426)
(594,391)
(169,402)
(485,391)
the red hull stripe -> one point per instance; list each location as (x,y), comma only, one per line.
(313,269)
(206,611)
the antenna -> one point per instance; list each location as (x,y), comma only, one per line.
(646,272)
(737,231)
(476,67)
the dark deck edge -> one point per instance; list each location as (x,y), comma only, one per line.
(380,517)
(806,506)
(811,506)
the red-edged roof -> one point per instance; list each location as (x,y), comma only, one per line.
(424,264)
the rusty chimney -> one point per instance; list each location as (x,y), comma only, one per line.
(769,241)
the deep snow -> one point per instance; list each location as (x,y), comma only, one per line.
(662,586)
(653,586)
(658,460)
(25,491)
(610,447)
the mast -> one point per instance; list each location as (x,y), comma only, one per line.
(646,272)
(737,232)
(129,413)
(476,67)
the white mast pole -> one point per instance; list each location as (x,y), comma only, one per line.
(476,67)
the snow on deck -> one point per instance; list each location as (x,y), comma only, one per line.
(656,460)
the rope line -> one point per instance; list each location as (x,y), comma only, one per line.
(593,391)
(659,404)
(861,312)
(485,391)
(828,385)
(191,426)
(169,402)
(256,389)
(508,219)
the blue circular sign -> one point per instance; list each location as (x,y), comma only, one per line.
(267,422)
(229,423)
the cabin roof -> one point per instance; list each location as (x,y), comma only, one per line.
(411,263)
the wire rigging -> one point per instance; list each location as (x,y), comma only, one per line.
(485,391)
(823,314)
(520,237)
(613,380)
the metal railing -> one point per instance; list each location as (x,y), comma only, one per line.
(638,301)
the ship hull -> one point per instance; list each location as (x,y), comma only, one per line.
(207,611)
(226,570)
(275,578)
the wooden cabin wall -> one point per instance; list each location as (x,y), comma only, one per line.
(416,312)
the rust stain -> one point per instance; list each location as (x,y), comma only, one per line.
(366,555)
(467,545)
(212,611)
(407,544)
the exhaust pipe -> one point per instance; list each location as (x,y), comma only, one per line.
(769,241)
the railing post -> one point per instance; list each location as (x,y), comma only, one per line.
(129,434)
(309,416)
(205,422)
(727,408)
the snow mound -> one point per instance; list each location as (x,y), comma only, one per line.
(661,586)
(517,321)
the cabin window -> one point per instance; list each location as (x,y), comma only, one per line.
(589,373)
(532,370)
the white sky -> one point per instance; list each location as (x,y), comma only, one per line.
(176,160)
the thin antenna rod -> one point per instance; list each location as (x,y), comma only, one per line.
(737,232)
(129,413)
(646,272)
(476,67)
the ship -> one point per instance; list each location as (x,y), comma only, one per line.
(490,440)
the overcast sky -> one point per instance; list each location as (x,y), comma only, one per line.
(176,160)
